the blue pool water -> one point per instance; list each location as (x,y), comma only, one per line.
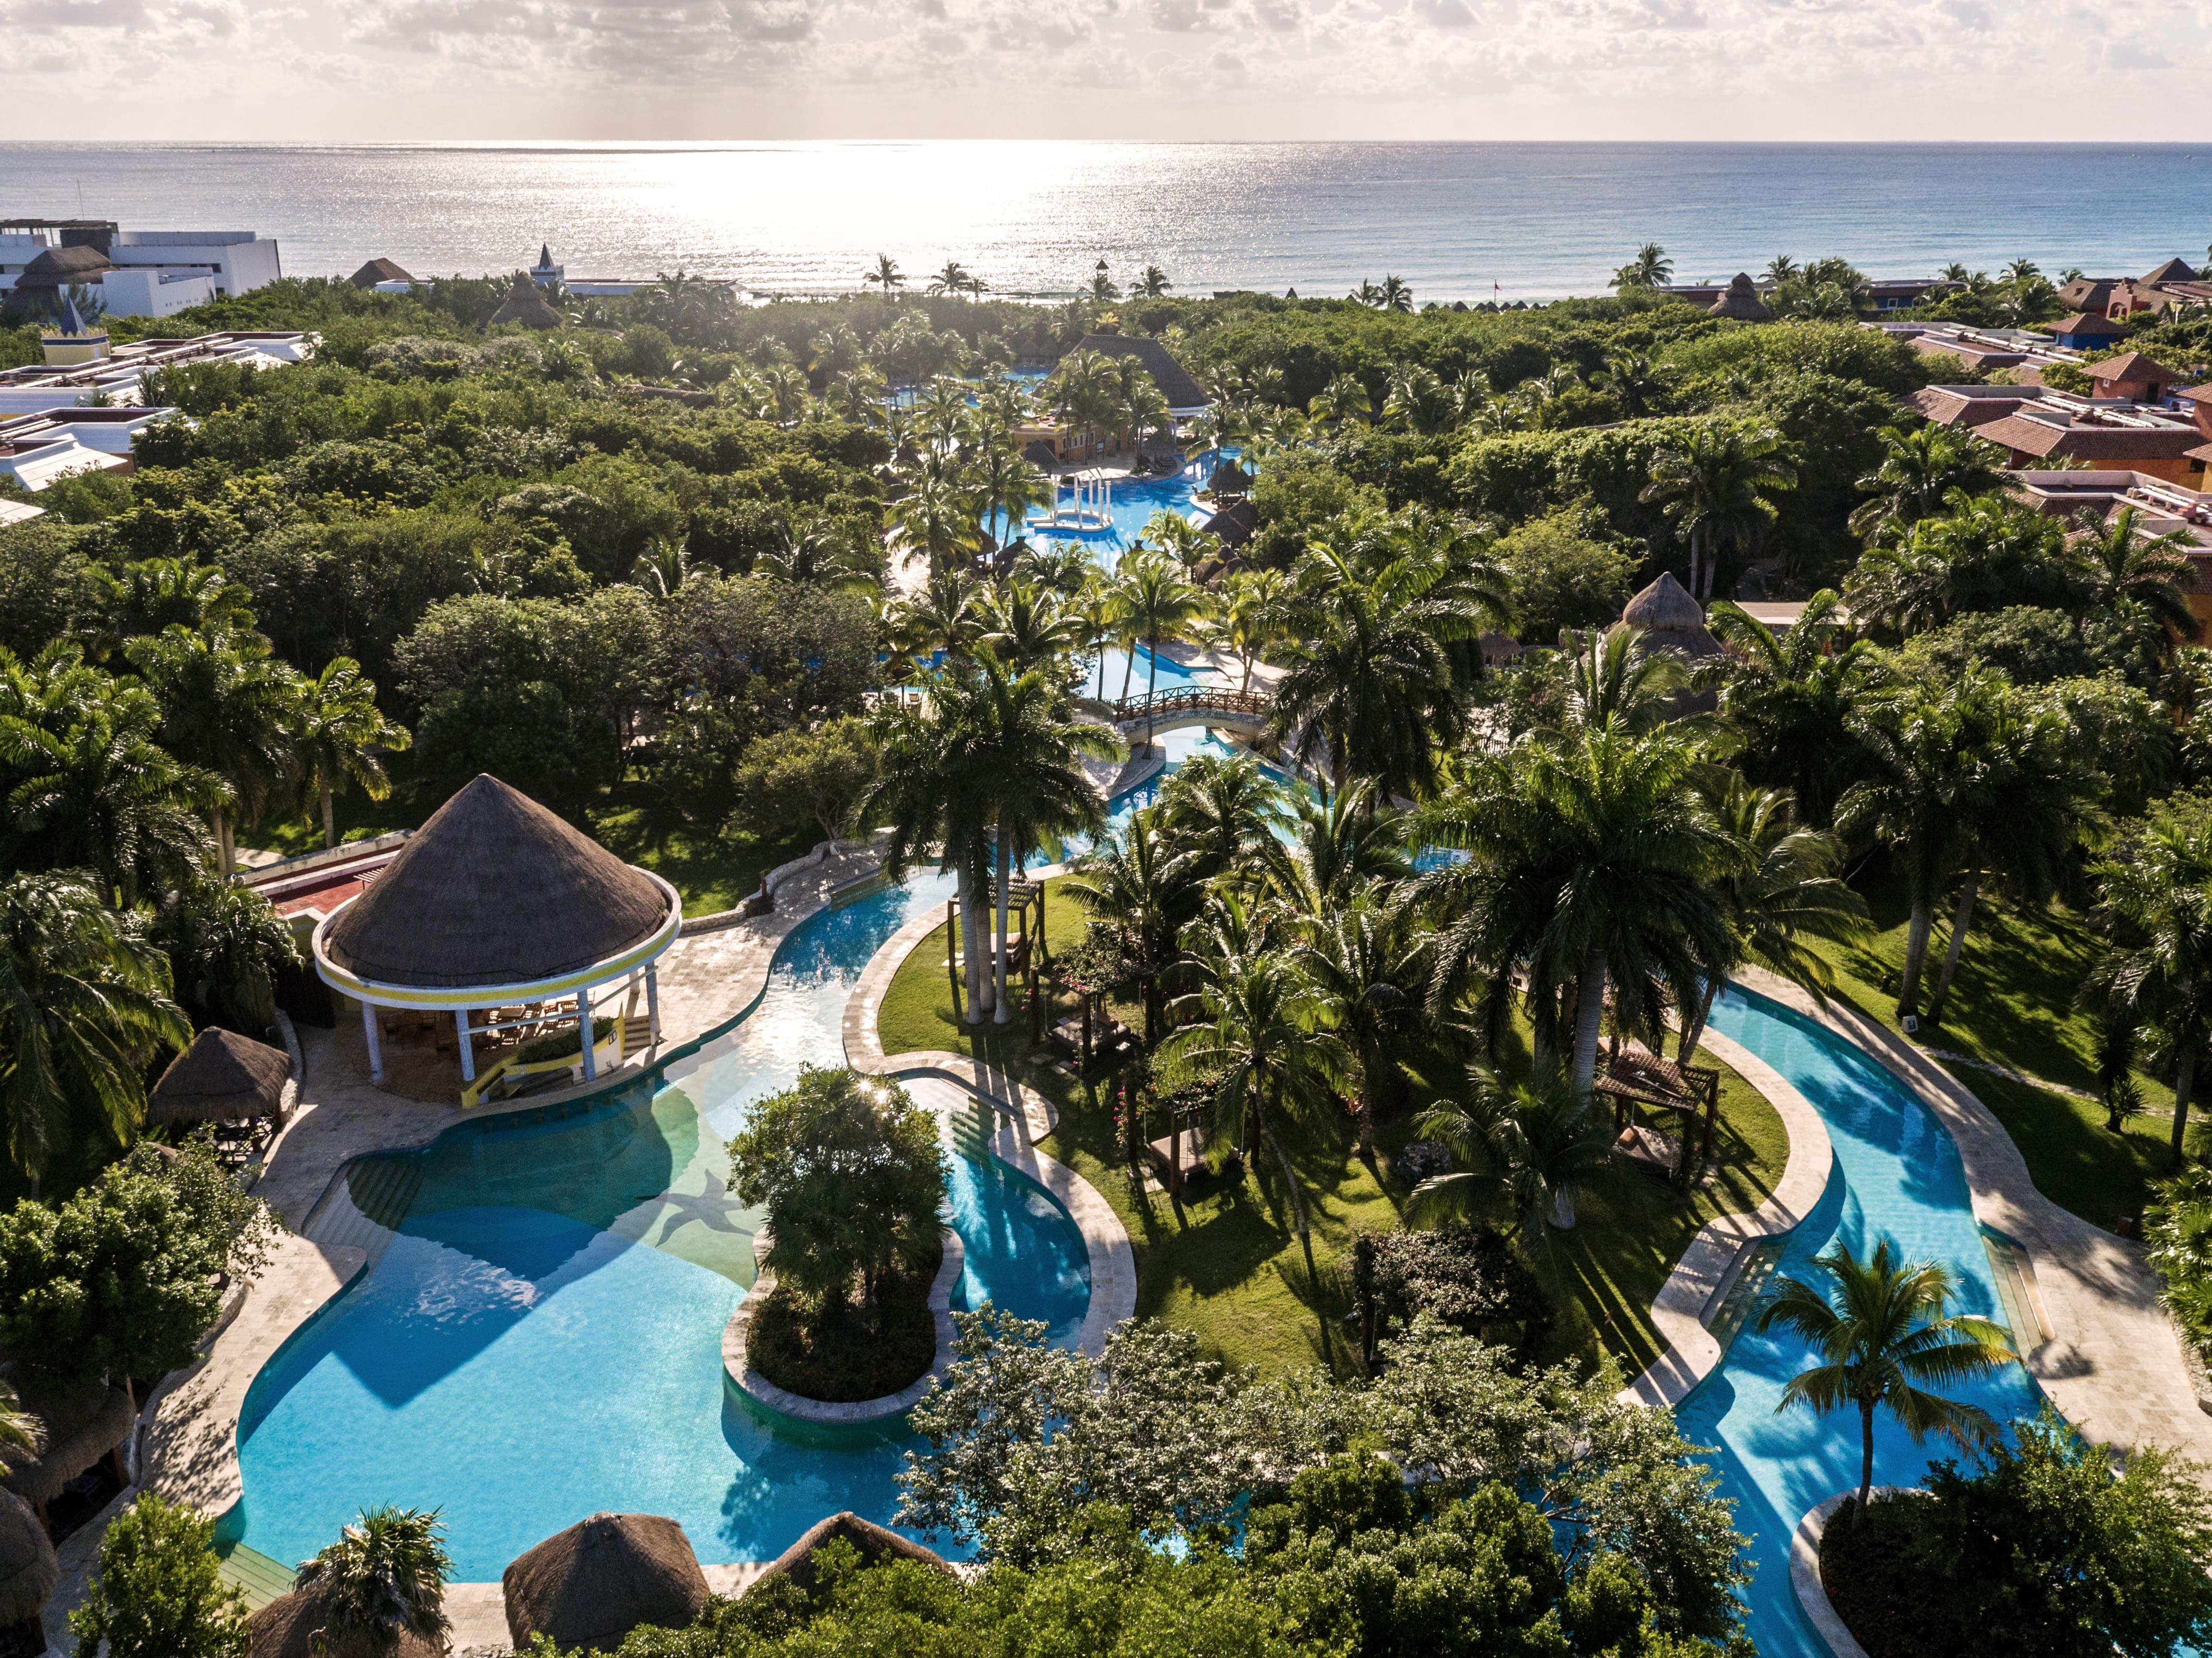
(543,1338)
(1898,1176)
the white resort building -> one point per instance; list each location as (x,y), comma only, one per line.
(130,273)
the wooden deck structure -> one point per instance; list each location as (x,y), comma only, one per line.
(1634,1076)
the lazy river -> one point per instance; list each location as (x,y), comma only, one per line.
(541,1337)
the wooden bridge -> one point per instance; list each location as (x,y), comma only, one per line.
(1243,712)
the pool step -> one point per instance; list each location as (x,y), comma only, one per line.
(252,1574)
(2020,1305)
(1749,1290)
(365,1204)
(970,1126)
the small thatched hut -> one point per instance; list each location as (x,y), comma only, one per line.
(1230,481)
(28,1570)
(378,270)
(286,1627)
(1235,523)
(876,1544)
(73,1424)
(1741,302)
(526,305)
(1670,618)
(591,1585)
(222,1078)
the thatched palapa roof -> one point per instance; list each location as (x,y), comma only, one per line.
(28,1570)
(73,1424)
(1228,479)
(876,1544)
(1670,617)
(59,267)
(1741,302)
(378,270)
(1175,381)
(287,1626)
(1235,523)
(222,1078)
(525,303)
(591,1585)
(494,890)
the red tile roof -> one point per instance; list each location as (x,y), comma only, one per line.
(2132,366)
(2040,438)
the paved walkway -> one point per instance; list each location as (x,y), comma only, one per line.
(2113,1364)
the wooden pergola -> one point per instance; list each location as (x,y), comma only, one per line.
(1025,944)
(1633,1076)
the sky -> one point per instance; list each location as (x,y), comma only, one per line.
(596,69)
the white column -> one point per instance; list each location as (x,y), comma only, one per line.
(584,1013)
(468,1052)
(652,1001)
(375,1051)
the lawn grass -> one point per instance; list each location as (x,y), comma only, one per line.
(2012,1005)
(1232,1271)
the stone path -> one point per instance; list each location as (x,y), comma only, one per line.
(2112,1364)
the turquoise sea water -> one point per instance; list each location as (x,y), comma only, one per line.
(1536,219)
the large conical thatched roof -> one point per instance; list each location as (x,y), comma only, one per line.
(73,1424)
(1228,479)
(286,1628)
(378,270)
(28,1570)
(1670,618)
(1741,302)
(222,1078)
(525,303)
(876,1543)
(494,890)
(594,1583)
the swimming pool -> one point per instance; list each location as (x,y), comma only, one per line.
(1897,1174)
(542,1338)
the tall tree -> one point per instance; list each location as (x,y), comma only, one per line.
(84,1005)
(1918,471)
(384,1578)
(1158,608)
(225,703)
(2117,563)
(1368,964)
(1880,1331)
(1141,891)
(884,276)
(1792,695)
(1534,1147)
(1717,486)
(340,736)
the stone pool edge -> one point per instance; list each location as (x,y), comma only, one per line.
(1027,1117)
(742,1375)
(2112,1363)
(1709,1265)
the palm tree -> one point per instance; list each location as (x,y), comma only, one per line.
(1880,1332)
(1008,486)
(2116,564)
(1919,469)
(2023,270)
(1225,810)
(1955,272)
(383,1579)
(1142,891)
(1158,608)
(1535,1146)
(1783,892)
(337,736)
(1592,859)
(1633,380)
(1416,401)
(1717,484)
(1340,848)
(1963,778)
(940,518)
(1612,677)
(1344,399)
(1650,268)
(1153,283)
(84,1005)
(1024,757)
(1381,635)
(928,792)
(1393,295)
(953,279)
(1781,268)
(1368,964)
(151,593)
(88,786)
(664,569)
(942,622)
(1251,1027)
(2156,904)
(225,701)
(1026,625)
(1252,615)
(885,276)
(818,550)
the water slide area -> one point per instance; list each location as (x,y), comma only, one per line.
(542,1339)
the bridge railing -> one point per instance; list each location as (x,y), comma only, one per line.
(1193,699)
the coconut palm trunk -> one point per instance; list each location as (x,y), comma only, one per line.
(1152,683)
(226,849)
(2184,1084)
(1589,1013)
(330,817)
(1960,920)
(1002,1011)
(1866,1457)
(970,949)
(1915,952)
(1693,1032)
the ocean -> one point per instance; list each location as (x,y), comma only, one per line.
(1456,220)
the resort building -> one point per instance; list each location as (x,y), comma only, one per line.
(128,273)
(1186,398)
(2161,507)
(85,369)
(492,927)
(36,449)
(2035,425)
(2083,332)
(2173,288)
